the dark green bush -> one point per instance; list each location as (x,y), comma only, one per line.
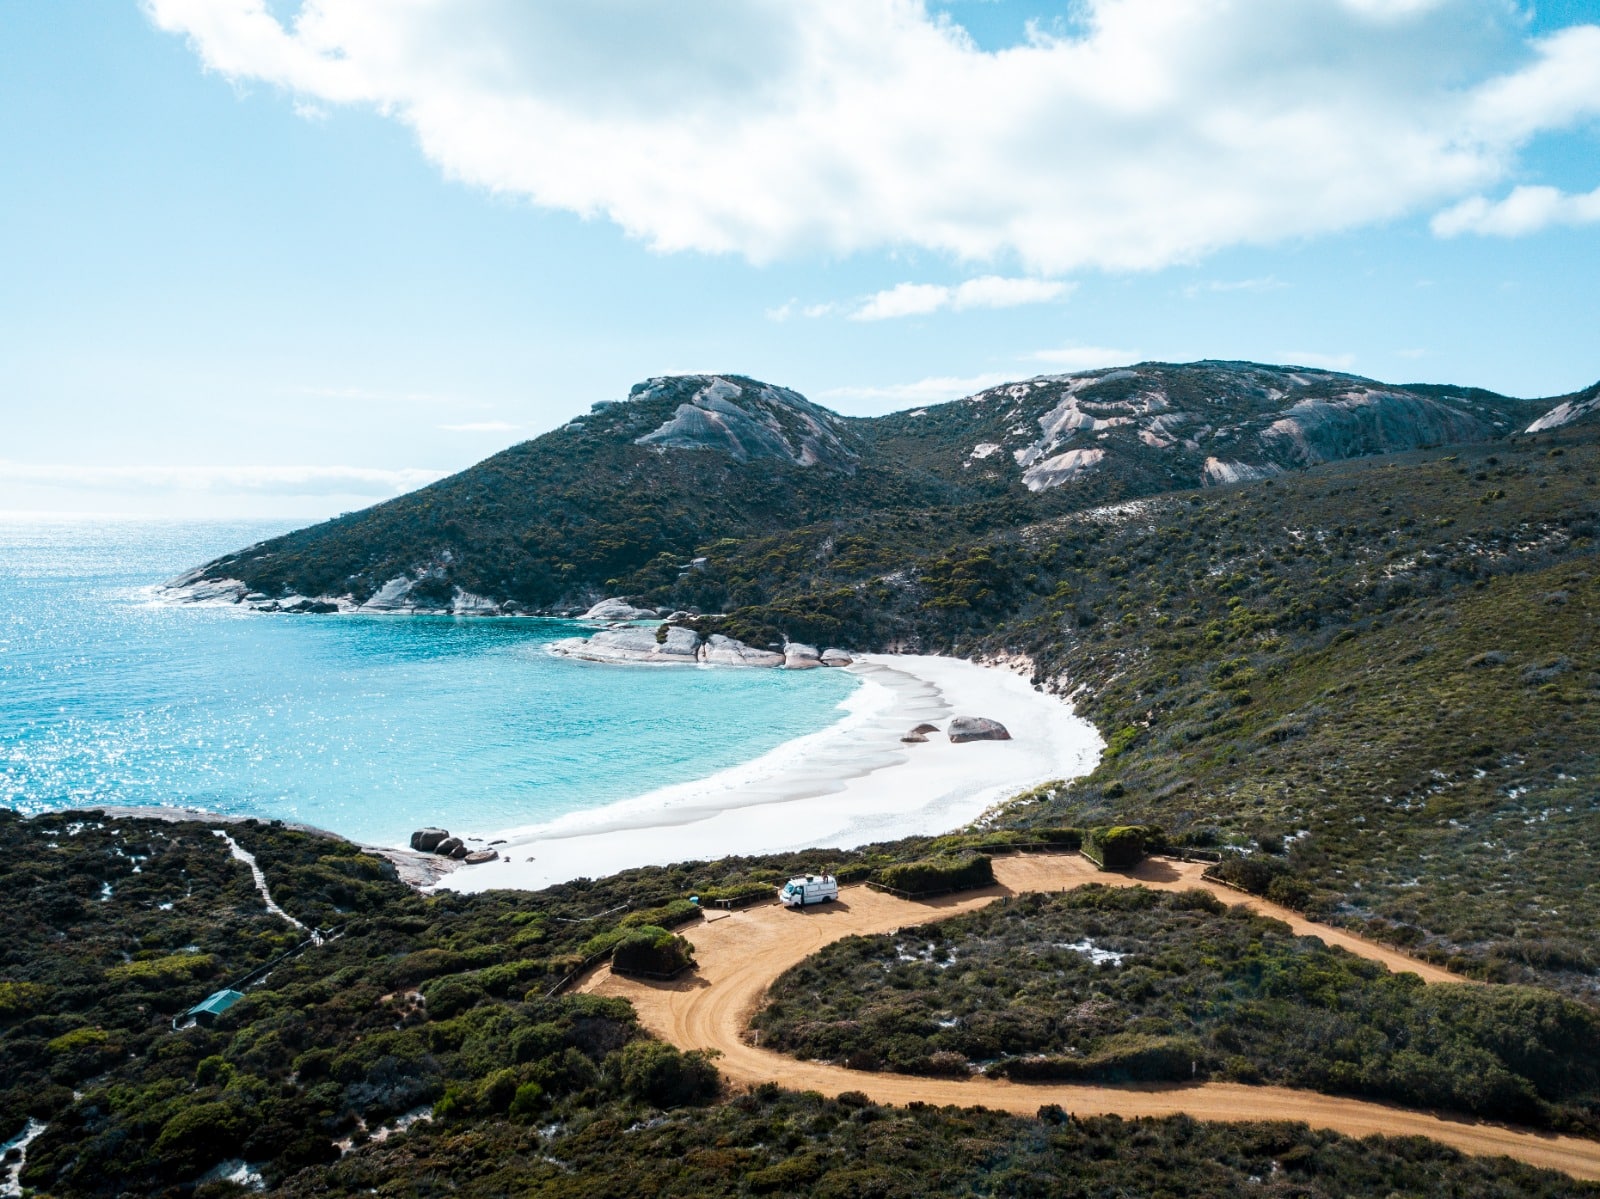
(651,950)
(939,874)
(1130,1057)
(658,1073)
(1116,848)
(668,915)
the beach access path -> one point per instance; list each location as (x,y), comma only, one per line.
(740,954)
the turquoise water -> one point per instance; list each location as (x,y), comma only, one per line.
(368,726)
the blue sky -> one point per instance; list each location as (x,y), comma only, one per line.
(254,268)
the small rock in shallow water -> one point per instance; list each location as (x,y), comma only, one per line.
(925,727)
(977,728)
(913,737)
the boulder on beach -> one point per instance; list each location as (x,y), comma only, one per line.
(726,651)
(426,840)
(914,736)
(799,656)
(447,848)
(479,857)
(677,645)
(977,728)
(618,609)
(835,657)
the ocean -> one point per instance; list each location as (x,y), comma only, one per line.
(367,726)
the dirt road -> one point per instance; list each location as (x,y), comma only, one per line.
(741,954)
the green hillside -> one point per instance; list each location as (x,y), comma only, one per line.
(636,489)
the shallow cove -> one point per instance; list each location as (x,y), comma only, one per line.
(366,726)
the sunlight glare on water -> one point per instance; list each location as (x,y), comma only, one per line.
(367,726)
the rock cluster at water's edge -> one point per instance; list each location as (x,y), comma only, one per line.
(799,656)
(725,651)
(619,609)
(439,841)
(674,645)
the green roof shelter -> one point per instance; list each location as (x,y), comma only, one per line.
(212,1006)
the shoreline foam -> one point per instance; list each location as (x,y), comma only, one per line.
(851,784)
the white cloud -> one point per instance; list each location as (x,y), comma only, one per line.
(1223,286)
(792,307)
(1140,133)
(932,390)
(223,480)
(1525,210)
(1086,358)
(988,291)
(481,426)
(903,299)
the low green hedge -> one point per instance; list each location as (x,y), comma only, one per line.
(1115,848)
(650,949)
(737,894)
(945,873)
(1132,1057)
(668,915)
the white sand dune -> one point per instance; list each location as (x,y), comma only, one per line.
(850,784)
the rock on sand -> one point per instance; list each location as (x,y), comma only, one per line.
(977,728)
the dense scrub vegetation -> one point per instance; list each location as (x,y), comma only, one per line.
(935,876)
(1125,984)
(415,1051)
(1372,686)
(1386,670)
(774,1143)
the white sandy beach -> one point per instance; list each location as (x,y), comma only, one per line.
(850,784)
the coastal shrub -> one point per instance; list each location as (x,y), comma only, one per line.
(1061,837)
(20,999)
(176,967)
(946,873)
(737,894)
(1125,984)
(202,1133)
(1116,848)
(1254,873)
(650,949)
(1129,1057)
(79,1039)
(668,915)
(659,1073)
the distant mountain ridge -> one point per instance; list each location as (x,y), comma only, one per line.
(643,484)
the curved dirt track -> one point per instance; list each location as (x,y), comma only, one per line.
(741,954)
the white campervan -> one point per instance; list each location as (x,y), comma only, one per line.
(812,888)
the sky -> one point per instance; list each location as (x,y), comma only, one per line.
(286,258)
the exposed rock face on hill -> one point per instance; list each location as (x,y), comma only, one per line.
(1157,426)
(747,420)
(1585,406)
(639,494)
